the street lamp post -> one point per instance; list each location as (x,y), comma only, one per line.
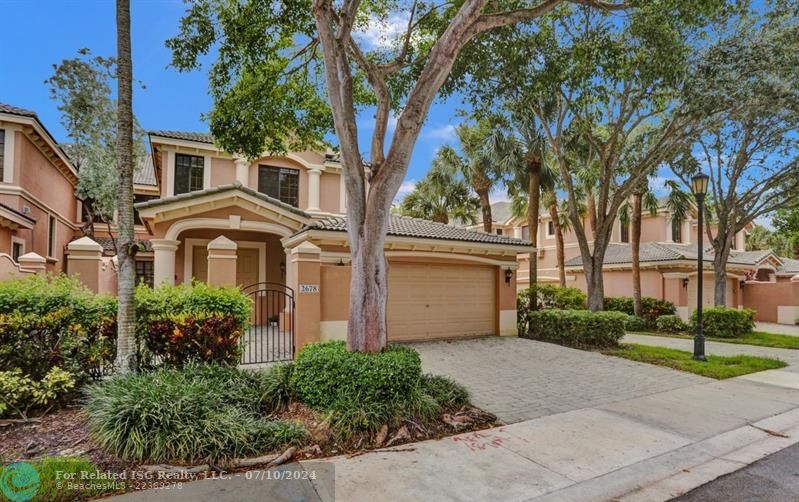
(699,187)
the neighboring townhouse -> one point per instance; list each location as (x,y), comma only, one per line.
(39,213)
(755,279)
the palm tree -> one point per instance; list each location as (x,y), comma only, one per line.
(642,198)
(520,153)
(124,152)
(441,196)
(474,165)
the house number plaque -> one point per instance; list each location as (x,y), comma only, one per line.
(309,288)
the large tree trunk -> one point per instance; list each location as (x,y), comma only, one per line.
(635,248)
(534,191)
(559,244)
(595,284)
(485,207)
(87,228)
(367,328)
(126,314)
(590,206)
(720,282)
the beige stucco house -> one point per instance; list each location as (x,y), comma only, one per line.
(756,279)
(274,226)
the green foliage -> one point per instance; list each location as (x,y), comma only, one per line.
(786,226)
(19,393)
(577,328)
(718,367)
(447,393)
(441,195)
(548,296)
(651,308)
(363,391)
(158,303)
(180,339)
(725,322)
(198,412)
(39,295)
(634,323)
(36,343)
(671,324)
(276,386)
(56,472)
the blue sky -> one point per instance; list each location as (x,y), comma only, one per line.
(171,100)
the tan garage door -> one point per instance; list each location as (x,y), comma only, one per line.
(440,301)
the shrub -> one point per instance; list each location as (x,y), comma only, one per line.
(445,392)
(725,322)
(158,303)
(180,339)
(362,390)
(19,393)
(39,295)
(671,324)
(577,328)
(651,308)
(276,386)
(548,296)
(634,323)
(198,412)
(35,343)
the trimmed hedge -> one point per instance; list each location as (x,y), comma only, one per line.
(548,296)
(671,324)
(577,328)
(725,322)
(651,308)
(326,374)
(634,323)
(159,303)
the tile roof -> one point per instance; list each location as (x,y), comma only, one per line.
(657,251)
(200,137)
(415,227)
(14,110)
(108,244)
(789,266)
(217,189)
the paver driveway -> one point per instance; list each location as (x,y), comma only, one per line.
(518,379)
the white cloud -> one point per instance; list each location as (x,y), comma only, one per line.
(657,184)
(498,194)
(406,188)
(446,132)
(380,34)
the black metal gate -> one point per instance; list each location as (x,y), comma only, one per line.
(270,336)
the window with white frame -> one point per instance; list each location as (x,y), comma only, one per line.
(51,235)
(189,173)
(550,228)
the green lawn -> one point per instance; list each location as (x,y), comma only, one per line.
(719,367)
(759,338)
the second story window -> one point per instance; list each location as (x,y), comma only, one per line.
(499,231)
(2,152)
(189,173)
(526,233)
(550,228)
(676,230)
(280,183)
(625,233)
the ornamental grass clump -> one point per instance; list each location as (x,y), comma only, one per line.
(198,412)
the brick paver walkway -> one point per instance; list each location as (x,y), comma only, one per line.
(518,379)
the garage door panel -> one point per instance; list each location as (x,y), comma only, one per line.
(429,301)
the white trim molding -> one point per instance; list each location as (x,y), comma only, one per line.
(179,226)
(17,240)
(170,173)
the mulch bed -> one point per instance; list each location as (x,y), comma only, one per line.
(65,433)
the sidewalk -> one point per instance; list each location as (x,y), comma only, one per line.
(647,448)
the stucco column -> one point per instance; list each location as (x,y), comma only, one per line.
(242,171)
(32,262)
(164,261)
(506,300)
(222,262)
(314,188)
(85,261)
(305,277)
